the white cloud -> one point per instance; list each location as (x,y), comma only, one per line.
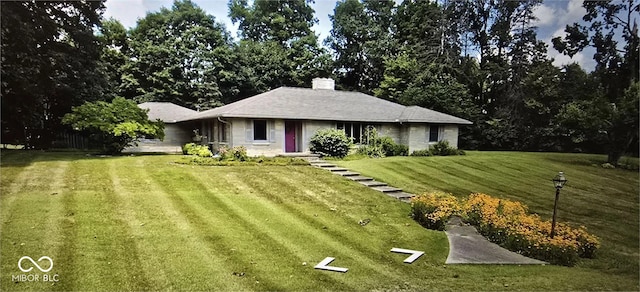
(573,13)
(545,16)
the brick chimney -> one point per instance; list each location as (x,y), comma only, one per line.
(323,83)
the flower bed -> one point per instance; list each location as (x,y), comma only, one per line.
(508,224)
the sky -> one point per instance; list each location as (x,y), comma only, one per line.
(553,16)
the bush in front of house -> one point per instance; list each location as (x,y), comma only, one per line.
(238,153)
(423,152)
(380,146)
(441,148)
(330,142)
(197,150)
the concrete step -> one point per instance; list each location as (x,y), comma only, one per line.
(386,189)
(347,174)
(324,165)
(336,169)
(373,183)
(359,178)
(316,161)
(400,195)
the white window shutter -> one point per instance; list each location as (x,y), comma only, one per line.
(440,133)
(272,131)
(248,131)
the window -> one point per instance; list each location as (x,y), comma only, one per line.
(259,130)
(434,133)
(352,130)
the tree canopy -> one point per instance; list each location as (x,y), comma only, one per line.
(480,60)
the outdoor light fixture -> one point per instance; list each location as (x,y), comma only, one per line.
(558,181)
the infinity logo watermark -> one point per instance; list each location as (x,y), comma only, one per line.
(24,261)
(35,264)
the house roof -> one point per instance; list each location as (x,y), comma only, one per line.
(323,104)
(167,112)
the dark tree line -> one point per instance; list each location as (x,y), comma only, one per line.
(478,59)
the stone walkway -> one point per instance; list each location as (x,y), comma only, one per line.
(466,245)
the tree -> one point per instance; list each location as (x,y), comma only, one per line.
(50,62)
(282,21)
(114,125)
(287,24)
(361,40)
(180,55)
(113,58)
(616,70)
(347,40)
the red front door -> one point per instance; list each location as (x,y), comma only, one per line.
(290,130)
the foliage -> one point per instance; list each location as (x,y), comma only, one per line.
(507,223)
(422,152)
(615,110)
(277,45)
(196,150)
(180,55)
(50,63)
(375,145)
(250,161)
(330,142)
(361,39)
(237,153)
(433,210)
(442,148)
(114,125)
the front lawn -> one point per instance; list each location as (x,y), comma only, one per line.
(148,223)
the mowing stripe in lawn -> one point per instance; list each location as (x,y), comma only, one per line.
(32,210)
(203,265)
(204,207)
(298,230)
(103,254)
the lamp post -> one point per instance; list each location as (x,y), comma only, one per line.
(558,181)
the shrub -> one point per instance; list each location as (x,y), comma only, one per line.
(371,151)
(433,210)
(330,142)
(390,148)
(376,146)
(443,148)
(186,148)
(195,149)
(239,153)
(423,152)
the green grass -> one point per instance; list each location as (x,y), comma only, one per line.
(603,200)
(147,223)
